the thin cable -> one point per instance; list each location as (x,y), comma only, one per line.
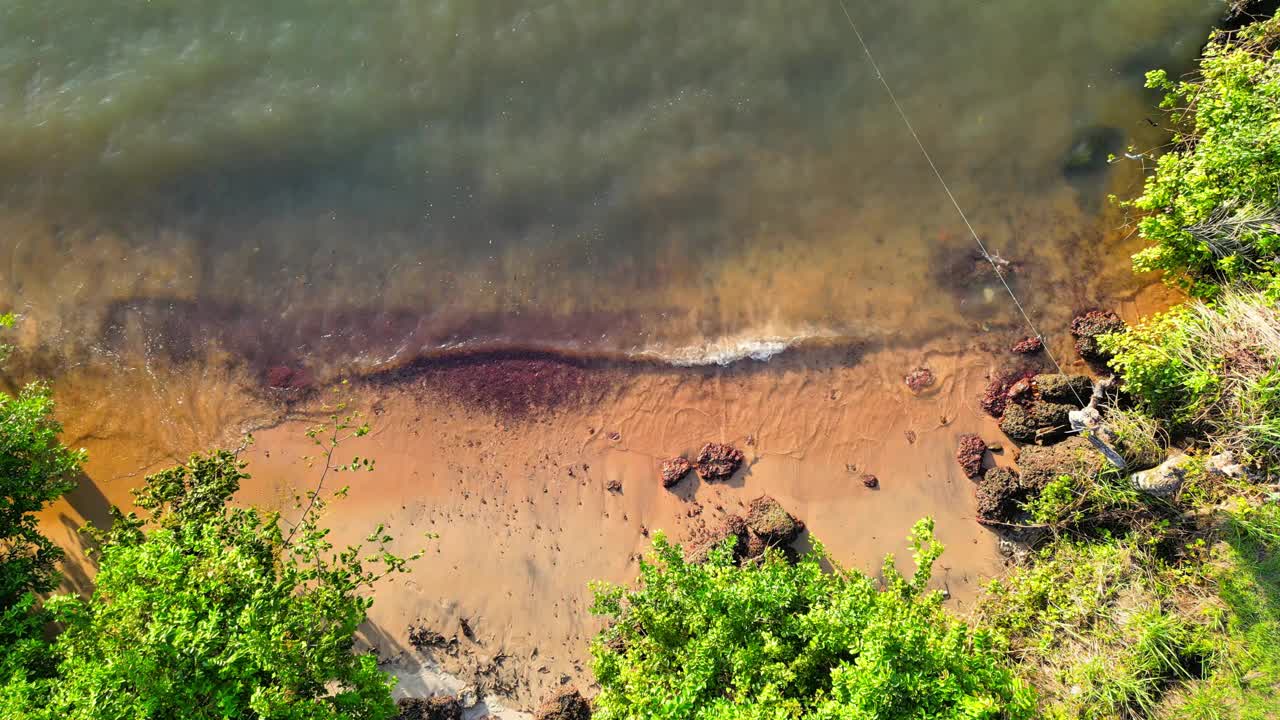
(903,114)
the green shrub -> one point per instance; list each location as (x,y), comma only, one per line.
(6,321)
(1149,357)
(35,469)
(777,640)
(203,610)
(1213,210)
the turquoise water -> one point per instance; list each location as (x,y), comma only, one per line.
(364,182)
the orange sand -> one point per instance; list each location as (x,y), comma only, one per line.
(525,519)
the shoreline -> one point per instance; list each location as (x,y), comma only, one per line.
(509,454)
(521,499)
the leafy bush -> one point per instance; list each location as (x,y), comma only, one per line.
(777,640)
(1213,204)
(203,610)
(1149,357)
(35,469)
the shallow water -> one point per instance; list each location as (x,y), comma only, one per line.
(319,184)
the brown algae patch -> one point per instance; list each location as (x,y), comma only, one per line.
(511,384)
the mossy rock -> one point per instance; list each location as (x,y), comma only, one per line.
(1074,456)
(771,522)
(1067,389)
(1001,495)
(1036,422)
(704,541)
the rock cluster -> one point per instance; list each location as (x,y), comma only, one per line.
(1036,409)
(919,380)
(996,396)
(766,525)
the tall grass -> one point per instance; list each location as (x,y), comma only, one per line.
(1211,367)
(1236,341)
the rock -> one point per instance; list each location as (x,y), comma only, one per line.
(614,486)
(771,522)
(1225,464)
(969,454)
(673,470)
(1038,422)
(718,461)
(870,481)
(996,396)
(705,540)
(1069,389)
(1073,456)
(432,708)
(1001,495)
(1022,391)
(1028,346)
(919,379)
(1087,327)
(564,704)
(1165,479)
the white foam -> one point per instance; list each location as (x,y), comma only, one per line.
(731,349)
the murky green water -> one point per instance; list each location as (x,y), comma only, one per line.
(319,182)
